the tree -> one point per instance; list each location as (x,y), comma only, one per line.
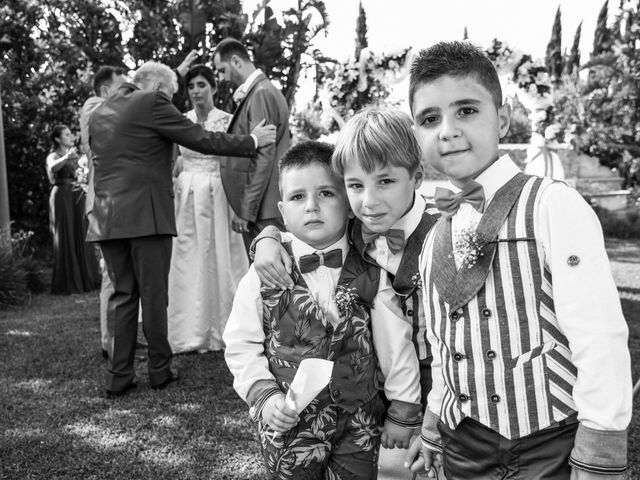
(553,58)
(361,31)
(572,64)
(602,36)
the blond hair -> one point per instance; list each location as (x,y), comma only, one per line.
(151,72)
(376,137)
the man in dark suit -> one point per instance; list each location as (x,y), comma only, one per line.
(132,136)
(251,184)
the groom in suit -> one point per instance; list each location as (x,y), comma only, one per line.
(132,135)
(251,184)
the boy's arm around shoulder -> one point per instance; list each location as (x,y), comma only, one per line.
(397,356)
(589,314)
(244,340)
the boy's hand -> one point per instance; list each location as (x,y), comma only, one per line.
(420,459)
(396,436)
(273,264)
(277,415)
(577,474)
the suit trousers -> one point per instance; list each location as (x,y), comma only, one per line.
(254,229)
(139,271)
(473,451)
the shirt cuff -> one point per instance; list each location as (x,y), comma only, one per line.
(430,435)
(408,415)
(270,231)
(255,140)
(258,395)
(600,451)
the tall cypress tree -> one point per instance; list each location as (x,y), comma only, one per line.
(465,34)
(553,58)
(602,34)
(573,62)
(361,31)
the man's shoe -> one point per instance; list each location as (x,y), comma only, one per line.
(111,394)
(173,376)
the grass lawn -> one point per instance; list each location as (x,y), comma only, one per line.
(56,424)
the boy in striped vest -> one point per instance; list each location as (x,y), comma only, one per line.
(531,370)
(328,313)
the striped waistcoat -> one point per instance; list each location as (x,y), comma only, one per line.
(505,361)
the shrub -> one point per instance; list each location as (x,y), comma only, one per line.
(624,224)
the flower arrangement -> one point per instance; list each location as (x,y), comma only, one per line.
(82,173)
(467,247)
(346,300)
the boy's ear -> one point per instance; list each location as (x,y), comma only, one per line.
(418,175)
(280,207)
(504,119)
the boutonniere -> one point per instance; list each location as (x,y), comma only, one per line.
(346,300)
(467,247)
(416,279)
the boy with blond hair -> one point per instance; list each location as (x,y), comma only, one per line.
(327,314)
(530,364)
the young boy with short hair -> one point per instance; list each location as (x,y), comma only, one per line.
(530,365)
(379,159)
(326,314)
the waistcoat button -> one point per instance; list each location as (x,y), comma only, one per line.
(486,313)
(495,398)
(458,356)
(455,316)
(337,393)
(491,354)
(463,398)
(410,313)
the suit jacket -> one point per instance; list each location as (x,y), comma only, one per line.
(131,136)
(251,184)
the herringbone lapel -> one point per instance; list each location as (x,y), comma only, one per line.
(457,287)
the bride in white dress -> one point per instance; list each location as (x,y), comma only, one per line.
(208,258)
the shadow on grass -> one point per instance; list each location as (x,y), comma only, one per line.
(56,422)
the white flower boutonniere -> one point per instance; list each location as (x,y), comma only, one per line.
(346,299)
(467,248)
(416,279)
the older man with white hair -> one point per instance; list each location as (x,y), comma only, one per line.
(132,135)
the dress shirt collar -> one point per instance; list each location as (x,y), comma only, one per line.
(410,220)
(299,248)
(242,90)
(494,177)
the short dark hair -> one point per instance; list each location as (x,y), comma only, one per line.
(306,153)
(456,59)
(105,75)
(203,70)
(230,46)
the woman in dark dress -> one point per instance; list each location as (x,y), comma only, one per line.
(75,268)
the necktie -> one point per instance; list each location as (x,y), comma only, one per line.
(332,259)
(449,202)
(394,236)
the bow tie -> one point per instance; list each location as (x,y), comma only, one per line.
(332,259)
(395,238)
(449,202)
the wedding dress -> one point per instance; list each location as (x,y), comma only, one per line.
(208,258)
